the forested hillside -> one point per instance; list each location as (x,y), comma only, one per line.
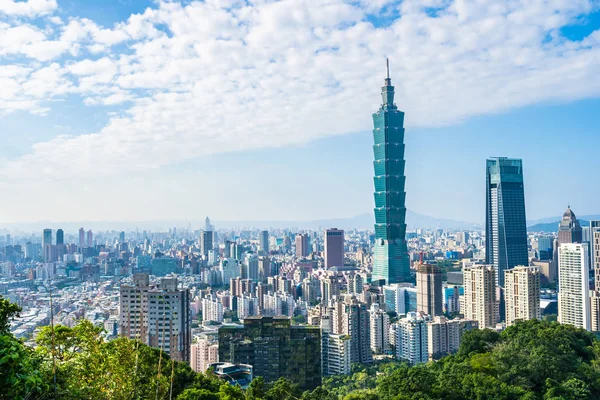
(531,360)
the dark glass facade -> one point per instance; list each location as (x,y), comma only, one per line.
(275,349)
(506,226)
(390,252)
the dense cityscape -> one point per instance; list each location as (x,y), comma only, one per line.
(309,304)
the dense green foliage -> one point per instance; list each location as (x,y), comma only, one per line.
(531,360)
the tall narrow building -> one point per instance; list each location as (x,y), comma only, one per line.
(573,294)
(522,294)
(334,248)
(480,303)
(206,242)
(595,264)
(390,252)
(429,290)
(505,223)
(47,245)
(595,251)
(263,242)
(302,245)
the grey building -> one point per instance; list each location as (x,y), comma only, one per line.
(206,242)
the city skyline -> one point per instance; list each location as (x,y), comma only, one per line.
(86,122)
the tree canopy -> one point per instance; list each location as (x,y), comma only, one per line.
(532,360)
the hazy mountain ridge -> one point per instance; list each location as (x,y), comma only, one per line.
(550,224)
(362,221)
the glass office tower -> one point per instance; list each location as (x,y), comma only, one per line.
(505,224)
(390,251)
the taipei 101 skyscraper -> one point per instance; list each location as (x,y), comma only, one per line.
(390,252)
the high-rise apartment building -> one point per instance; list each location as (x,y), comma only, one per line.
(158,315)
(411,338)
(429,290)
(336,349)
(479,299)
(250,267)
(278,304)
(522,294)
(595,264)
(81,237)
(263,242)
(330,288)
(505,223)
(350,317)
(444,335)
(573,293)
(229,268)
(390,251)
(334,248)
(569,229)
(204,351)
(206,242)
(595,252)
(212,309)
(275,349)
(302,245)
(380,330)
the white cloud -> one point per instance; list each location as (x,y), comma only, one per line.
(212,77)
(28,8)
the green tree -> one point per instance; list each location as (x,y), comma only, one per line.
(197,394)
(257,389)
(8,312)
(20,375)
(478,341)
(283,389)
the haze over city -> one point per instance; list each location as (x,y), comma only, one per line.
(134,111)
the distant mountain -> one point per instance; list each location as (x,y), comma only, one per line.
(364,221)
(550,224)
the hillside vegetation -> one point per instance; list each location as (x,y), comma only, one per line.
(531,360)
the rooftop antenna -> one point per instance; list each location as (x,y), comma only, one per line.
(387,67)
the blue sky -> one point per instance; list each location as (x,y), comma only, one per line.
(137,110)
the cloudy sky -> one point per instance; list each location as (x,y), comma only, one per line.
(261,110)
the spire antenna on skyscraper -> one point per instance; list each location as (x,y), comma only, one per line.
(387,67)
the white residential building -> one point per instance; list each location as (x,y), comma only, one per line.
(229,268)
(444,335)
(157,314)
(411,338)
(277,304)
(212,309)
(380,330)
(522,294)
(479,300)
(336,350)
(573,286)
